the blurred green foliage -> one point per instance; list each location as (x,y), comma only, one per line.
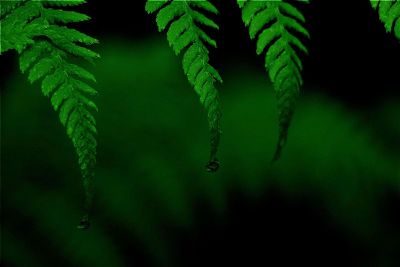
(153,139)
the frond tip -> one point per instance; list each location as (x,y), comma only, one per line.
(275,25)
(185,21)
(46,48)
(389,14)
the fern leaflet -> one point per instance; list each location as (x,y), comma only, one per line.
(46,49)
(183,19)
(389,14)
(271,23)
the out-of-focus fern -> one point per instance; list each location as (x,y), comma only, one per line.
(47,49)
(183,19)
(274,24)
(389,14)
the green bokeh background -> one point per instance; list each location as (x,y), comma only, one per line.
(150,179)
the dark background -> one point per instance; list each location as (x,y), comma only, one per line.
(351,59)
(348,43)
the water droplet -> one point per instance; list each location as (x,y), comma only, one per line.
(212,166)
(84,224)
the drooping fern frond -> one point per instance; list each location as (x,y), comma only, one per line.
(48,51)
(389,14)
(275,25)
(183,20)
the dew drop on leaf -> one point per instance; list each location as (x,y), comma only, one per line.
(212,166)
(84,224)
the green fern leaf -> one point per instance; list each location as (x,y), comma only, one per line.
(62,3)
(275,25)
(389,14)
(184,20)
(8,6)
(13,26)
(46,50)
(61,16)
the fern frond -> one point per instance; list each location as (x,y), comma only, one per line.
(47,50)
(184,20)
(8,6)
(275,25)
(389,14)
